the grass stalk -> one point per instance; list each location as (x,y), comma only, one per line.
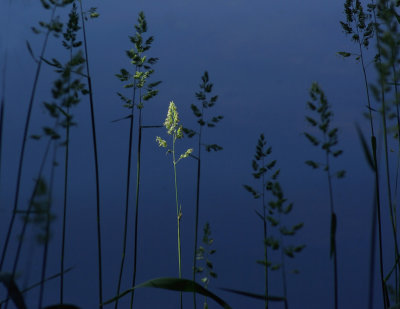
(24,138)
(178,217)
(28,212)
(64,215)
(2,106)
(327,141)
(265,237)
(142,72)
(333,230)
(372,253)
(196,225)
(173,128)
(198,111)
(98,213)
(128,181)
(47,233)
(260,168)
(382,5)
(139,152)
(283,272)
(356,27)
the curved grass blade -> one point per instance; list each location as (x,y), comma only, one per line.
(253,295)
(13,291)
(366,149)
(38,283)
(174,284)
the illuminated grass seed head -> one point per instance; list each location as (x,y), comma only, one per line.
(171,123)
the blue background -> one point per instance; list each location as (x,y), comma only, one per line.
(262,57)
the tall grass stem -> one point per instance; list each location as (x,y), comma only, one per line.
(24,138)
(89,81)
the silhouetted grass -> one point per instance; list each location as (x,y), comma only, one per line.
(377,22)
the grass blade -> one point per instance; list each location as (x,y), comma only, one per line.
(256,296)
(174,284)
(365,147)
(13,291)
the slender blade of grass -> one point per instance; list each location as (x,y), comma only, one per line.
(256,296)
(174,284)
(13,290)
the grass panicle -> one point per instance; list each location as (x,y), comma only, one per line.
(204,254)
(206,101)
(176,131)
(327,139)
(138,82)
(260,167)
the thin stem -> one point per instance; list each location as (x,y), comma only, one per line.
(95,162)
(126,210)
(28,212)
(64,217)
(376,215)
(385,296)
(265,238)
(25,136)
(48,218)
(384,290)
(397,172)
(65,203)
(128,181)
(178,214)
(137,204)
(372,254)
(2,104)
(284,283)
(197,213)
(333,221)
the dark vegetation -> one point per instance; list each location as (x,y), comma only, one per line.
(369,25)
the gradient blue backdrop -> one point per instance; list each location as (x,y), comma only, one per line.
(262,57)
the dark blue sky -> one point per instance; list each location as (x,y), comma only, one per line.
(262,58)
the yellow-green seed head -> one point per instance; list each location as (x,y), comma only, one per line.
(186,154)
(179,132)
(172,119)
(161,142)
